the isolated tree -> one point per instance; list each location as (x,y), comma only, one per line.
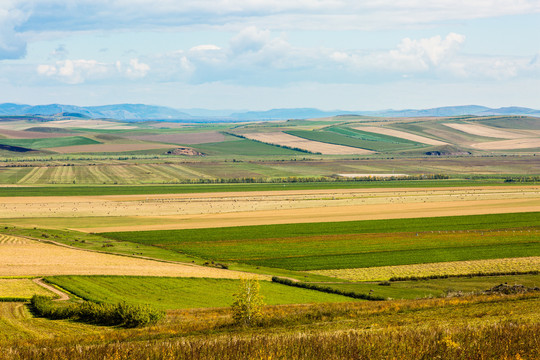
(248,302)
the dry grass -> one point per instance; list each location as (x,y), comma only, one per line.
(32,258)
(513,144)
(21,288)
(482,130)
(88,124)
(401,134)
(282,139)
(178,211)
(446,268)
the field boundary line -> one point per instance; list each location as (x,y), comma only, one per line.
(51,242)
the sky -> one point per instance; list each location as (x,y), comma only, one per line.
(263,54)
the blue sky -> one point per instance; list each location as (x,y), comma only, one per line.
(260,54)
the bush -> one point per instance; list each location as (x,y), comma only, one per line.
(121,314)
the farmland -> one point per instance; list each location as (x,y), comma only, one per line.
(174,214)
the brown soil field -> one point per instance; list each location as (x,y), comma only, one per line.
(429,269)
(176,211)
(482,130)
(513,144)
(401,134)
(17,134)
(280,138)
(181,139)
(33,258)
(108,148)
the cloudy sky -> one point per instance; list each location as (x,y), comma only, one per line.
(262,54)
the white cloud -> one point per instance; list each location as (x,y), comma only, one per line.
(12,45)
(81,70)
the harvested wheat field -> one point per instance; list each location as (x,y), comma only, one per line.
(482,130)
(282,139)
(443,268)
(24,257)
(513,144)
(178,211)
(401,134)
(98,148)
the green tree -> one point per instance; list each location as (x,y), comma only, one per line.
(248,302)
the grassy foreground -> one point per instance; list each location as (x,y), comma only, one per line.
(180,293)
(485,327)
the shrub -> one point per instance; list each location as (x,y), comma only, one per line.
(121,314)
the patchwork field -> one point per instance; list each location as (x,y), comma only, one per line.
(283,139)
(177,211)
(183,138)
(111,148)
(487,131)
(24,257)
(528,143)
(401,134)
(18,134)
(346,245)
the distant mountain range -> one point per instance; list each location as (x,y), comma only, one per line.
(138,112)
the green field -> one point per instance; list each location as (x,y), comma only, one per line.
(49,142)
(355,244)
(180,293)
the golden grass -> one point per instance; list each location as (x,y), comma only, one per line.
(401,134)
(32,258)
(509,144)
(482,130)
(178,211)
(21,288)
(445,268)
(283,139)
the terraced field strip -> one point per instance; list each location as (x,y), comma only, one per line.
(487,131)
(515,144)
(32,258)
(282,139)
(401,134)
(441,268)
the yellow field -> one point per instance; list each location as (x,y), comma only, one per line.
(283,139)
(401,134)
(21,288)
(446,268)
(179,211)
(33,258)
(482,130)
(513,144)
